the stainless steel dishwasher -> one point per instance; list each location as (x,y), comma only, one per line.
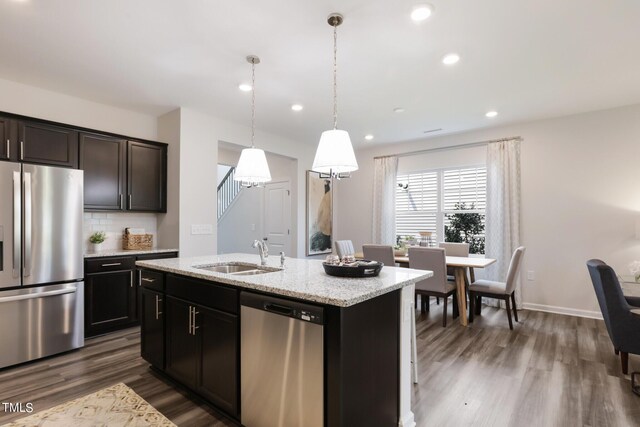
(282,381)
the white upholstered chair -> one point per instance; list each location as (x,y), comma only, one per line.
(344,248)
(437,286)
(499,290)
(380,253)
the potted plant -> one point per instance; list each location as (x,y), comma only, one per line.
(400,248)
(96,240)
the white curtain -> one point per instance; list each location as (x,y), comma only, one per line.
(502,229)
(384,200)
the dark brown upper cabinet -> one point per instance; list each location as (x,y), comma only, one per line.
(9,139)
(146,176)
(48,144)
(103,159)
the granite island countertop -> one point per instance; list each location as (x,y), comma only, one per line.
(301,278)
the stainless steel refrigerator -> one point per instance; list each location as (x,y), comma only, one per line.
(41,261)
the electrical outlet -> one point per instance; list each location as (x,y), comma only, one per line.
(201,229)
(531,275)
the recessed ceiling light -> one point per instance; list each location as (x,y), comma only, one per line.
(421,12)
(398,110)
(451,59)
(245,87)
(368,137)
(491,114)
(297,107)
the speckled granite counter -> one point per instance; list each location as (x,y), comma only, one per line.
(303,279)
(123,252)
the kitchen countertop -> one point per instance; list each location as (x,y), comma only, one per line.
(302,278)
(122,252)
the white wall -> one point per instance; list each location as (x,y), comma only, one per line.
(243,222)
(44,104)
(580,200)
(198,136)
(169,222)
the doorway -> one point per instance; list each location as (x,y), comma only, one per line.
(277,216)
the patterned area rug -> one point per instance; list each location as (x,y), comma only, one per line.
(115,406)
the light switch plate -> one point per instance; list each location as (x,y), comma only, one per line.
(201,229)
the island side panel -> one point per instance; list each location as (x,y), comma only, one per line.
(362,370)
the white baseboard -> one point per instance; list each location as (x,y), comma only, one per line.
(563,310)
(407,420)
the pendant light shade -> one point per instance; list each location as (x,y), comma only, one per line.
(335,156)
(252,169)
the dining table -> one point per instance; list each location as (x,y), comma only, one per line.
(460,265)
(631,289)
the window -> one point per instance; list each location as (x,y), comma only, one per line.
(450,203)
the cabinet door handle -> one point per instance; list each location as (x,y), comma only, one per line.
(190,321)
(121,201)
(146,279)
(131,278)
(8,149)
(194,320)
(158,312)
(21,150)
(139,277)
(111,264)
(130,201)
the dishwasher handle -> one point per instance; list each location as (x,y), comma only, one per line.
(278,309)
(283,307)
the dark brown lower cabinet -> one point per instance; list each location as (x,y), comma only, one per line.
(202,351)
(152,330)
(219,349)
(110,301)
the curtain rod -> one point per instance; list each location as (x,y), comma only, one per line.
(450,147)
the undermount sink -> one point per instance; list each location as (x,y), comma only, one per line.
(236,268)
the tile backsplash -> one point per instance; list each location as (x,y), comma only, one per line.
(114,224)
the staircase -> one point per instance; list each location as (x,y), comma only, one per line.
(227,192)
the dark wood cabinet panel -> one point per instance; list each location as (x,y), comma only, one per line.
(8,139)
(48,144)
(182,344)
(110,301)
(219,350)
(152,327)
(103,159)
(146,176)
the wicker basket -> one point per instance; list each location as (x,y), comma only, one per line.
(137,241)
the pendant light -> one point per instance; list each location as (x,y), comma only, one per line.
(252,169)
(334,156)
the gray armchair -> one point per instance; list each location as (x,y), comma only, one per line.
(623,325)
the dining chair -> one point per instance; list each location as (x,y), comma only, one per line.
(622,324)
(344,248)
(498,290)
(454,249)
(433,259)
(380,253)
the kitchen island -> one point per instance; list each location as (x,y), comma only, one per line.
(196,329)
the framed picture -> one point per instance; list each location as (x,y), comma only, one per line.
(319,214)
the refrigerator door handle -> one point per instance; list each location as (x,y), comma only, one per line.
(27,224)
(38,295)
(16,224)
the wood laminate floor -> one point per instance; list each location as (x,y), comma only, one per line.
(552,370)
